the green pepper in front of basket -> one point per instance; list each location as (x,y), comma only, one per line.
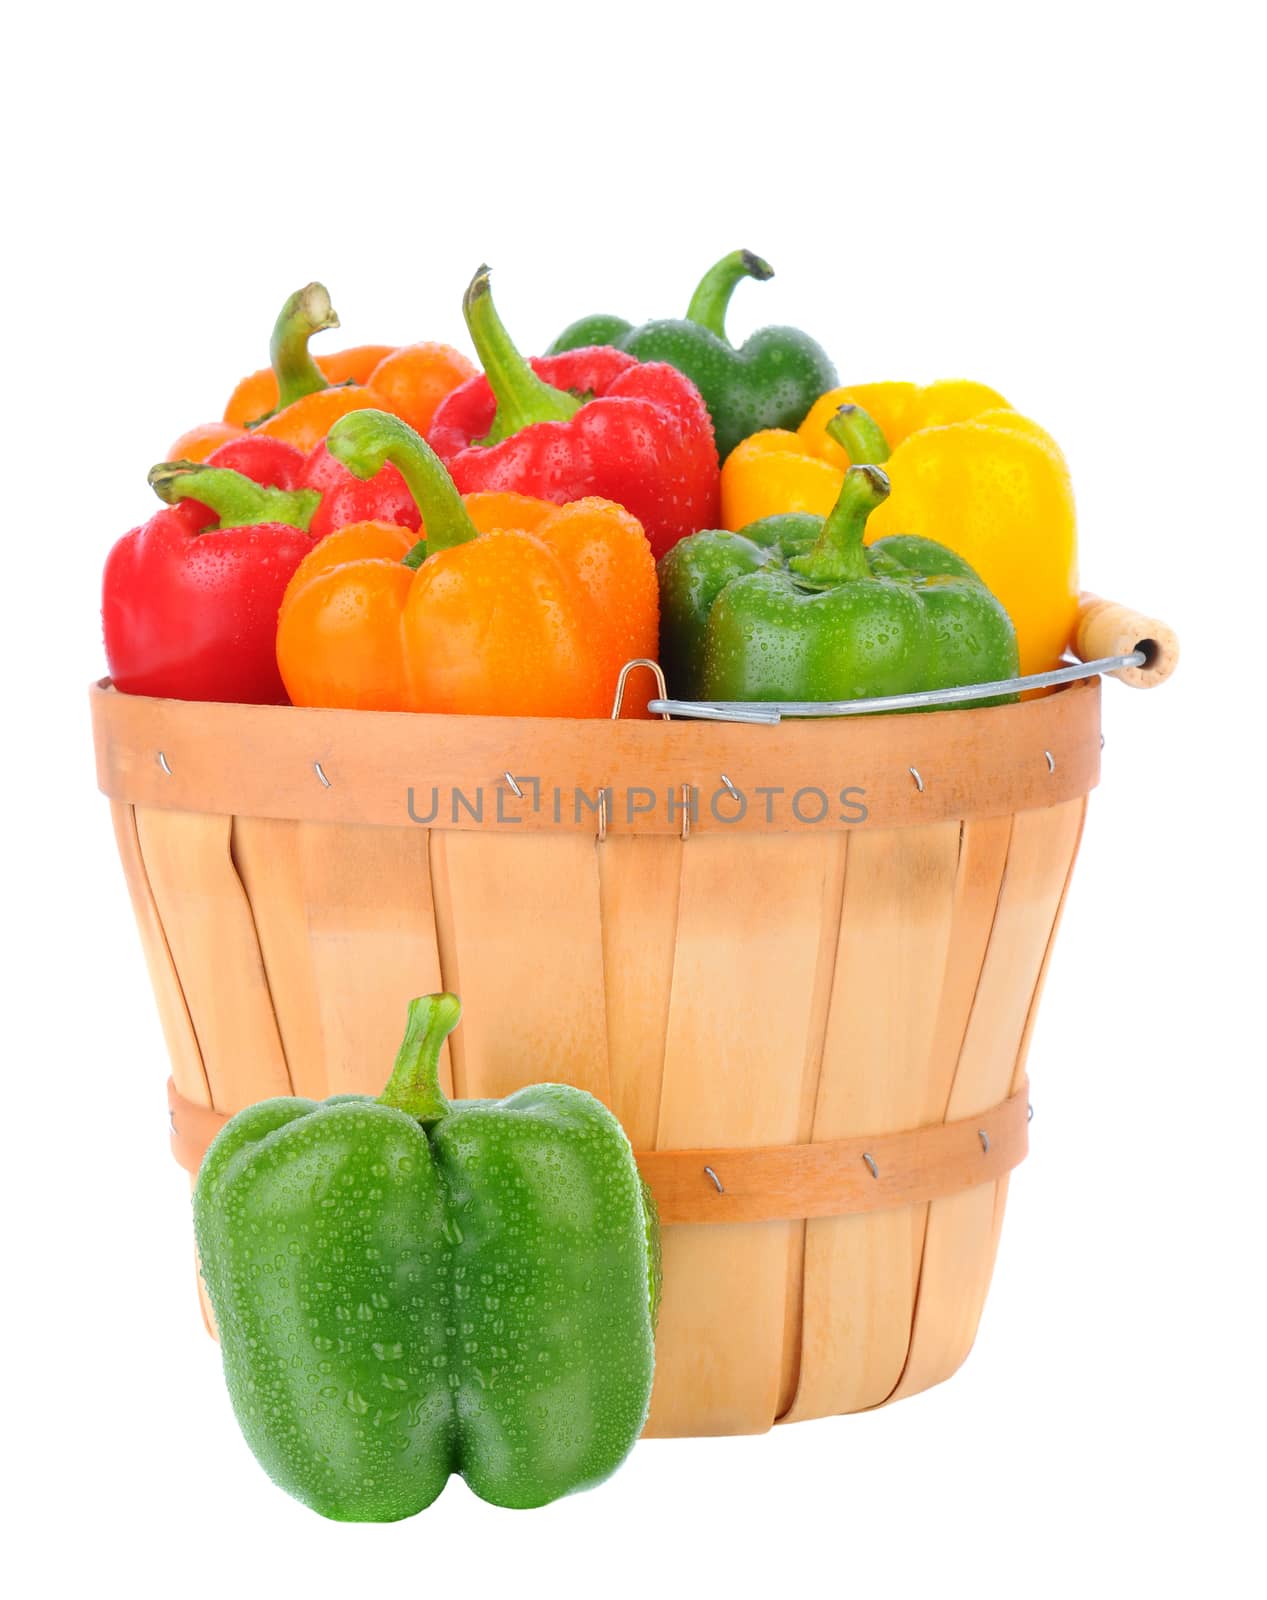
(410,1287)
(796,607)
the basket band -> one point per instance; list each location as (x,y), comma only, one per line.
(519,775)
(778,1183)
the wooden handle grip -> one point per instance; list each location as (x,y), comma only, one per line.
(1105,628)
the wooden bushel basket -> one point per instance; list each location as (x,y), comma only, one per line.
(802,966)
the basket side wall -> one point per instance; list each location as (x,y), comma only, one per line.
(732,990)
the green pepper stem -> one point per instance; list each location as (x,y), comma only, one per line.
(308,311)
(365,440)
(238,501)
(857,432)
(839,555)
(711,300)
(414,1086)
(522,398)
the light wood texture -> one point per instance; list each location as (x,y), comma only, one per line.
(861,1272)
(346,929)
(526,934)
(638,884)
(759,999)
(260,761)
(1105,628)
(984,847)
(756,917)
(211,934)
(962,1231)
(178,1030)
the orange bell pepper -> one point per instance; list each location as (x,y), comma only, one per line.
(308,405)
(312,394)
(257,395)
(966,470)
(296,400)
(197,443)
(413,380)
(300,397)
(511,607)
(306,421)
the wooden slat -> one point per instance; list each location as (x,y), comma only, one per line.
(756,920)
(962,1232)
(982,861)
(835,866)
(269,862)
(639,881)
(1022,1055)
(347,931)
(178,1030)
(521,943)
(211,934)
(861,1272)
(983,856)
(970,1222)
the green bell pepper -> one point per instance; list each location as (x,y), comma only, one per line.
(408,1287)
(796,607)
(771,381)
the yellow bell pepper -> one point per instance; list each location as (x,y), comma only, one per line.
(966,470)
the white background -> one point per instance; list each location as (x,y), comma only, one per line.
(1062,201)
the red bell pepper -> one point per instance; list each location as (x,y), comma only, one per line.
(346,498)
(641,436)
(271,462)
(190,598)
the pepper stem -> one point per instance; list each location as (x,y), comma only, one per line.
(308,311)
(857,432)
(711,300)
(364,441)
(522,398)
(414,1086)
(839,555)
(238,501)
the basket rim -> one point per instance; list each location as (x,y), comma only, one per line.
(385,768)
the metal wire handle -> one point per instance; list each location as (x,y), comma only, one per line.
(773,711)
(657,670)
